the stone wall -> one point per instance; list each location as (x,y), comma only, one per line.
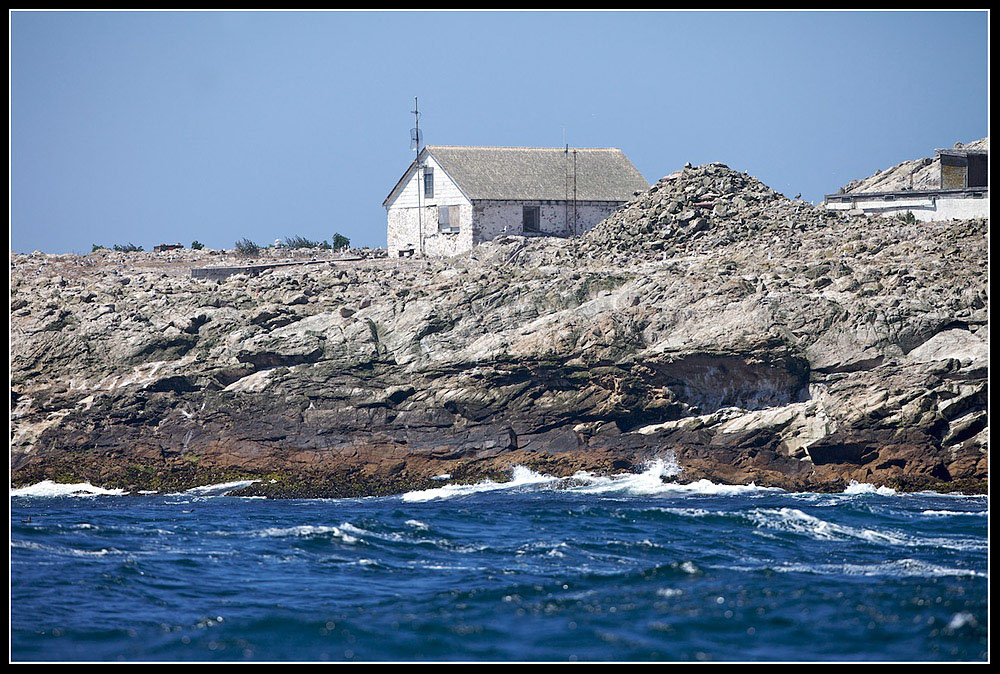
(404,226)
(496,218)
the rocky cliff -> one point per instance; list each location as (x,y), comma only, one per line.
(752,337)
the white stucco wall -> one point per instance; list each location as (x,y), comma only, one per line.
(925,209)
(496,218)
(404,226)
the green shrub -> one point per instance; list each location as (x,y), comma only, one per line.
(247,248)
(295,242)
(340,242)
(96,247)
(197,245)
(128,248)
(907,218)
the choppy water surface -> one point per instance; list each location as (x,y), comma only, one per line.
(622,568)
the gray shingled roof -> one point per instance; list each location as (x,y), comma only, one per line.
(537,173)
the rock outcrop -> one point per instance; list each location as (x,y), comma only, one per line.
(753,337)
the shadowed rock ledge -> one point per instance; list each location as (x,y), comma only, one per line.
(751,337)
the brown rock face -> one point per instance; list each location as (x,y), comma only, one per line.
(771,342)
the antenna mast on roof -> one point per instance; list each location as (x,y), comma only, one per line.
(415,142)
(570,176)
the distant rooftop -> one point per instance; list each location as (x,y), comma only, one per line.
(962,152)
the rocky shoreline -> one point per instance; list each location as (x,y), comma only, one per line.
(750,337)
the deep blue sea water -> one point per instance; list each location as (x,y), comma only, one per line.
(623,568)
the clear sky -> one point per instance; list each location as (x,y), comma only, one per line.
(155,127)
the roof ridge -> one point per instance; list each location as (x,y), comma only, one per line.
(517,147)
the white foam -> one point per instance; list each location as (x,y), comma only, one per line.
(650,482)
(521,477)
(855,488)
(48,488)
(308,531)
(960,620)
(220,489)
(952,513)
(900,568)
(793,520)
(31,545)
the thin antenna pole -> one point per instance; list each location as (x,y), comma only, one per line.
(575,218)
(416,124)
(416,161)
(566,181)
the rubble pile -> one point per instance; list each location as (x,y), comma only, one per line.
(697,209)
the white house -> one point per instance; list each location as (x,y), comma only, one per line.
(453,198)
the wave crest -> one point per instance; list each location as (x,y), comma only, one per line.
(651,481)
(48,488)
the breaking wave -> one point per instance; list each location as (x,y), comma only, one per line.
(795,521)
(856,487)
(48,488)
(900,568)
(953,513)
(307,531)
(220,489)
(521,477)
(650,482)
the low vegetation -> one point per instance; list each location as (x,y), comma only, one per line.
(247,248)
(340,242)
(297,242)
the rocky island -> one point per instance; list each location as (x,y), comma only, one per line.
(750,337)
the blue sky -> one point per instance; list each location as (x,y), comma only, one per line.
(157,127)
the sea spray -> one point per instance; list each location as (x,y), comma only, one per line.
(652,480)
(48,488)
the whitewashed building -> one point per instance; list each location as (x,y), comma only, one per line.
(453,198)
(961,191)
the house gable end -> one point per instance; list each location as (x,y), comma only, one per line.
(408,175)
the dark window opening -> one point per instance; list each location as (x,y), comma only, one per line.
(979,170)
(428,183)
(529,219)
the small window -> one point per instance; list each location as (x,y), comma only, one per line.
(448,218)
(428,183)
(529,219)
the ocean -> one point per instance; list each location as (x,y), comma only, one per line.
(628,567)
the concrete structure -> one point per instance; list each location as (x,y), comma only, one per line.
(962,193)
(222,273)
(453,198)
